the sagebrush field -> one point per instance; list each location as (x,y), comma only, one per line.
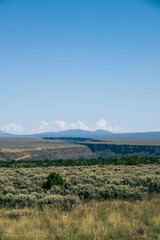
(22,187)
(94,202)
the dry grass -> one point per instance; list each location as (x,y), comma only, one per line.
(115,219)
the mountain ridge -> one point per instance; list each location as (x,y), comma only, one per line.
(2,133)
(76,133)
(86,133)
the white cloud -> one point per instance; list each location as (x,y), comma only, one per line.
(43,126)
(60,125)
(102,125)
(79,125)
(12,128)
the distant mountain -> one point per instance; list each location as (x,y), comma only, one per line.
(4,134)
(139,135)
(97,134)
(76,133)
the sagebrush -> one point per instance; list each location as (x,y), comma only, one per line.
(20,187)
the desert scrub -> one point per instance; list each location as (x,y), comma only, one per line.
(22,187)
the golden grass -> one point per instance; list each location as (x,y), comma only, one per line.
(115,219)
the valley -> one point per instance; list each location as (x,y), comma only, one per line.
(38,149)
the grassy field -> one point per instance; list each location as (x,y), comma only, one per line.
(111,219)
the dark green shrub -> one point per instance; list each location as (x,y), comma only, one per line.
(53,179)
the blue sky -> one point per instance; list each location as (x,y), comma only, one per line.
(87,64)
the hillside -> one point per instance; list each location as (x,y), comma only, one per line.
(105,150)
(50,153)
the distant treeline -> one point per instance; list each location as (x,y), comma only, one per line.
(130,160)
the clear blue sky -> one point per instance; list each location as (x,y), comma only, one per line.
(64,61)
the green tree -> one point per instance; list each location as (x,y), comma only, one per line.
(53,179)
